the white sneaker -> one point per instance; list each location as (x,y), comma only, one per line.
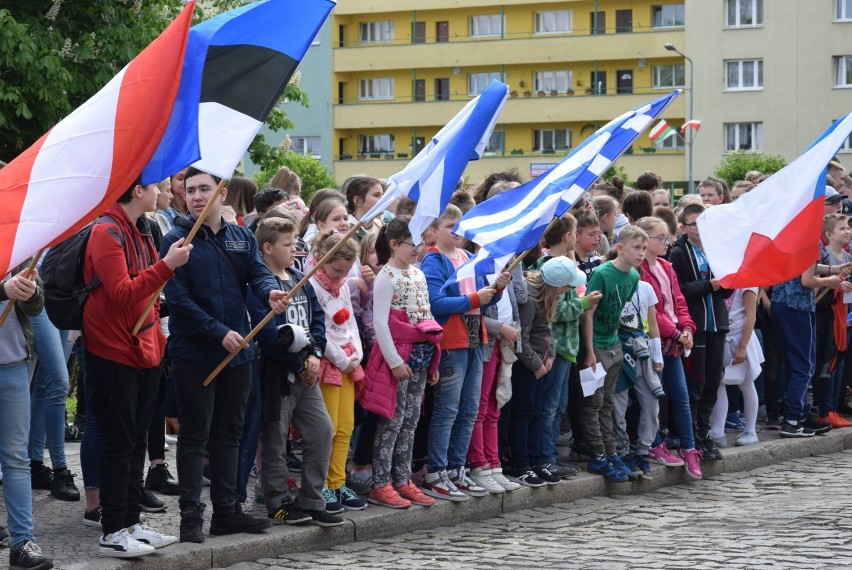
(482,477)
(438,485)
(121,545)
(465,484)
(171,439)
(746,438)
(152,537)
(503,481)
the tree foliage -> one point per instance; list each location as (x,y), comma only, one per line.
(55,54)
(734,167)
(313,173)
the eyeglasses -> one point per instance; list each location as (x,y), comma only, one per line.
(415,247)
(662,238)
(692,226)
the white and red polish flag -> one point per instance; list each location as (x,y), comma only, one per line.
(83,164)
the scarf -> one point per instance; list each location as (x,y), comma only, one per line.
(331,285)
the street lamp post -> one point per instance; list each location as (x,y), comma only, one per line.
(670,47)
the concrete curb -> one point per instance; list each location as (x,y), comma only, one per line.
(377,522)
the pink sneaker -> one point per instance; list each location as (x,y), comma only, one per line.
(662,456)
(692,458)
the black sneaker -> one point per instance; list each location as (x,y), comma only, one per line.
(41,476)
(294,464)
(289,513)
(149,503)
(563,471)
(63,488)
(29,556)
(92,518)
(813,424)
(160,479)
(528,478)
(797,431)
(322,518)
(238,521)
(191,525)
(709,449)
(543,473)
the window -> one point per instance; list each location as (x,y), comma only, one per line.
(442,89)
(554,22)
(665,76)
(843,71)
(372,144)
(495,143)
(551,139)
(306,145)
(675,142)
(843,10)
(744,13)
(549,80)
(743,136)
(477,82)
(667,16)
(490,25)
(378,88)
(847,144)
(377,31)
(744,75)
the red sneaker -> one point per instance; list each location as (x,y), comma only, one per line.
(413,493)
(387,496)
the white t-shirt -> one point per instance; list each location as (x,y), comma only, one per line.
(736,314)
(643,298)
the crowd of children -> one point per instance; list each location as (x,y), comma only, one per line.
(614,338)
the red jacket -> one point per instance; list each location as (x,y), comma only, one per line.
(126,263)
(379,395)
(668,330)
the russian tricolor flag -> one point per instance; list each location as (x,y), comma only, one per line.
(81,166)
(771,234)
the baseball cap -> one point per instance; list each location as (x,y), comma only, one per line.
(561,272)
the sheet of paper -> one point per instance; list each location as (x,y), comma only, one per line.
(735,373)
(847,297)
(592,378)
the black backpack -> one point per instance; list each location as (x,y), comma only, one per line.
(65,288)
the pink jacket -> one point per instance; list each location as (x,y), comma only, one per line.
(669,331)
(379,395)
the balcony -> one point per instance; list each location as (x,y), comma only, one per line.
(512,50)
(384,6)
(561,108)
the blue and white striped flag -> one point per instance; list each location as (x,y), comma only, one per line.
(514,221)
(432,175)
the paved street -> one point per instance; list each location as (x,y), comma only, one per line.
(793,514)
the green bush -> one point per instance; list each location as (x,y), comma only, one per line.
(734,167)
(313,173)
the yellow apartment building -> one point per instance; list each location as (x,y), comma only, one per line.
(403,68)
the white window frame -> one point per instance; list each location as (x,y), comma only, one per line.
(376,88)
(562,80)
(484,25)
(732,19)
(842,71)
(554,22)
(674,69)
(539,136)
(741,66)
(753,130)
(675,142)
(309,146)
(477,82)
(376,144)
(847,145)
(376,32)
(665,8)
(495,143)
(843,10)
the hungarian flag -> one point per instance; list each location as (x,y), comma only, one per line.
(771,234)
(661,131)
(237,66)
(694,123)
(83,164)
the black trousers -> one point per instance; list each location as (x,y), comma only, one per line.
(704,372)
(123,400)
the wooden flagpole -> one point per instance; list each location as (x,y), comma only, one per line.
(28,272)
(186,242)
(296,288)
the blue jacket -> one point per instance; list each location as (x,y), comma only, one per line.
(205,298)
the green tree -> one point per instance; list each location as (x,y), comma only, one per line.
(314,174)
(619,171)
(55,54)
(734,167)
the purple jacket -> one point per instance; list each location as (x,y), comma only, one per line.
(379,395)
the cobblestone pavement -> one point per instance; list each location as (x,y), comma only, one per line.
(789,515)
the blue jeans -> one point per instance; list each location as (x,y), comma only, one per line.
(550,391)
(50,387)
(674,383)
(91,448)
(251,433)
(15,427)
(455,407)
(796,337)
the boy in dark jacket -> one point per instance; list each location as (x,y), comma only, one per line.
(706,302)
(292,346)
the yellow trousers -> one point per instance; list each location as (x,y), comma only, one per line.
(340,402)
